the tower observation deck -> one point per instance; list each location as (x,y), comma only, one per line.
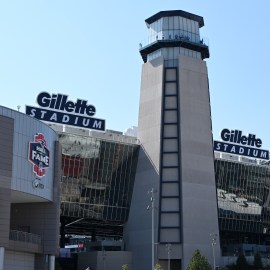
(171,30)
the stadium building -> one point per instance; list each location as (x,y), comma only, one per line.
(136,200)
(30,172)
(98,173)
(243,196)
(97,182)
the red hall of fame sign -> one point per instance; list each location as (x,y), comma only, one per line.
(39,155)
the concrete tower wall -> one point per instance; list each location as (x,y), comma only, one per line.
(196,204)
(199,205)
(137,233)
(150,109)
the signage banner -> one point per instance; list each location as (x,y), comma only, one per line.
(65,118)
(241,150)
(75,246)
(62,103)
(57,108)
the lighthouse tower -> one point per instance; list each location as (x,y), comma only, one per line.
(175,173)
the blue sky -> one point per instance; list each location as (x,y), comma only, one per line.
(90,50)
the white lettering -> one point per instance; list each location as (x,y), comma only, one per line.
(41,158)
(54,117)
(34,154)
(241,150)
(87,122)
(97,124)
(233,149)
(264,154)
(33,112)
(65,118)
(43,113)
(40,149)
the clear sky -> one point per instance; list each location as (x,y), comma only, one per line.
(89,49)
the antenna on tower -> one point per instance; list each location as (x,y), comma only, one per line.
(18,107)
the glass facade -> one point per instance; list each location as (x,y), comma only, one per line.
(243,203)
(170,54)
(174,27)
(98,177)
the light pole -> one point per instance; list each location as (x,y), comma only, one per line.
(152,191)
(214,239)
(169,248)
(104,258)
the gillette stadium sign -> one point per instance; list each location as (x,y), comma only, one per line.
(57,108)
(235,142)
